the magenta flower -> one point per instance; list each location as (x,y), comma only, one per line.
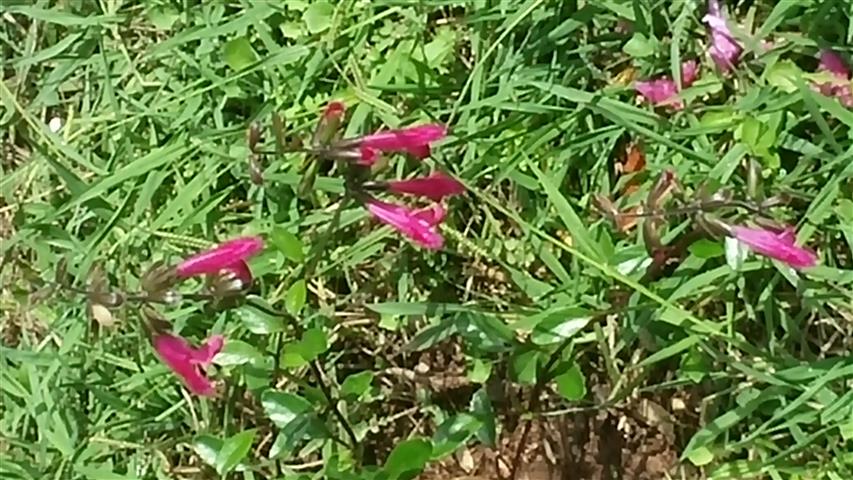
(420,226)
(412,140)
(840,86)
(777,245)
(664,91)
(435,187)
(725,50)
(230,256)
(188,362)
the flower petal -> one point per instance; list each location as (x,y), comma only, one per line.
(435,187)
(418,227)
(778,245)
(724,50)
(221,257)
(658,92)
(187,362)
(406,139)
(833,63)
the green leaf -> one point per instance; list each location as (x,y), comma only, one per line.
(783,75)
(571,384)
(576,227)
(846,430)
(314,342)
(288,244)
(480,371)
(233,451)
(260,322)
(431,336)
(357,384)
(701,456)
(318,16)
(704,248)
(524,366)
(295,297)
(453,433)
(236,352)
(163,17)
(639,46)
(558,327)
(284,408)
(239,53)
(481,407)
(407,459)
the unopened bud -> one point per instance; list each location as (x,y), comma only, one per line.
(253,136)
(154,321)
(159,277)
(714,226)
(329,123)
(662,188)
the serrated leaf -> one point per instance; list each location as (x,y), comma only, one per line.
(288,244)
(239,53)
(233,451)
(318,16)
(295,297)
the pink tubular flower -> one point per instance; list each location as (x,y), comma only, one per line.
(230,255)
(435,187)
(777,245)
(840,87)
(412,140)
(725,51)
(418,225)
(664,91)
(188,362)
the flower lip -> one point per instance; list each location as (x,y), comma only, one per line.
(187,362)
(779,245)
(435,187)
(417,225)
(664,91)
(724,49)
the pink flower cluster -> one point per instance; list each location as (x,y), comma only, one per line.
(664,91)
(183,359)
(420,225)
(840,86)
(724,50)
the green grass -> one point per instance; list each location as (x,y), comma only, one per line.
(535,325)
